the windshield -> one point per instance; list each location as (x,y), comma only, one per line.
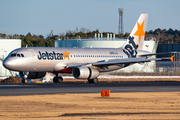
(18,55)
(13,55)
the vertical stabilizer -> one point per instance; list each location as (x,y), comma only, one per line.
(136,38)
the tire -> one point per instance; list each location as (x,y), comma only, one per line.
(60,79)
(55,79)
(93,80)
(23,80)
(90,81)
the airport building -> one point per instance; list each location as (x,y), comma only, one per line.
(169,48)
(6,46)
(112,42)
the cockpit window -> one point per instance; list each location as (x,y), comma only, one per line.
(13,55)
(18,55)
(22,55)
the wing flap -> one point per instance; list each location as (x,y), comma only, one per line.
(72,65)
(114,62)
(145,55)
(124,61)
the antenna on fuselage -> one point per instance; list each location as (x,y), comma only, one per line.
(26,45)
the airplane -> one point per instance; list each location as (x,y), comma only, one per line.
(82,63)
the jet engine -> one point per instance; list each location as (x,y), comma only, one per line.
(32,75)
(85,73)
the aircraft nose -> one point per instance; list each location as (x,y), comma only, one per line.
(7,64)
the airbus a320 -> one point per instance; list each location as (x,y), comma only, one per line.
(83,63)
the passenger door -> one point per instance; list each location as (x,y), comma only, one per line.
(33,55)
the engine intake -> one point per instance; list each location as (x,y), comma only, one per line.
(85,73)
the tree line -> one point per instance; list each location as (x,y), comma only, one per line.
(164,36)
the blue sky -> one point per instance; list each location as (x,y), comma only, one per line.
(41,16)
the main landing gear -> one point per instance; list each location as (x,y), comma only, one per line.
(58,79)
(95,80)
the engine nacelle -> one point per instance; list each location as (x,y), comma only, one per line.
(85,73)
(32,75)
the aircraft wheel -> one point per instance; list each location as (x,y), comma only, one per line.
(93,80)
(23,80)
(60,79)
(89,80)
(55,79)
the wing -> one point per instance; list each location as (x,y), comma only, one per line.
(144,55)
(147,55)
(114,62)
(72,65)
(124,61)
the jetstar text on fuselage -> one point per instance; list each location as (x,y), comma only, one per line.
(50,56)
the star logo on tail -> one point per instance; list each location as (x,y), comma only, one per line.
(66,55)
(140,31)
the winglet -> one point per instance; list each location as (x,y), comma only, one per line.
(171,58)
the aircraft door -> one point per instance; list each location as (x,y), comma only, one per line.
(33,56)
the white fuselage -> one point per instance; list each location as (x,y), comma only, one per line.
(40,59)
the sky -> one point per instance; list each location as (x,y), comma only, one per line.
(39,17)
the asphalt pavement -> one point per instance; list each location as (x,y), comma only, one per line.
(51,88)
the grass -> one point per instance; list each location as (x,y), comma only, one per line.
(157,105)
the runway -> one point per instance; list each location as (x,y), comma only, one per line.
(42,89)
